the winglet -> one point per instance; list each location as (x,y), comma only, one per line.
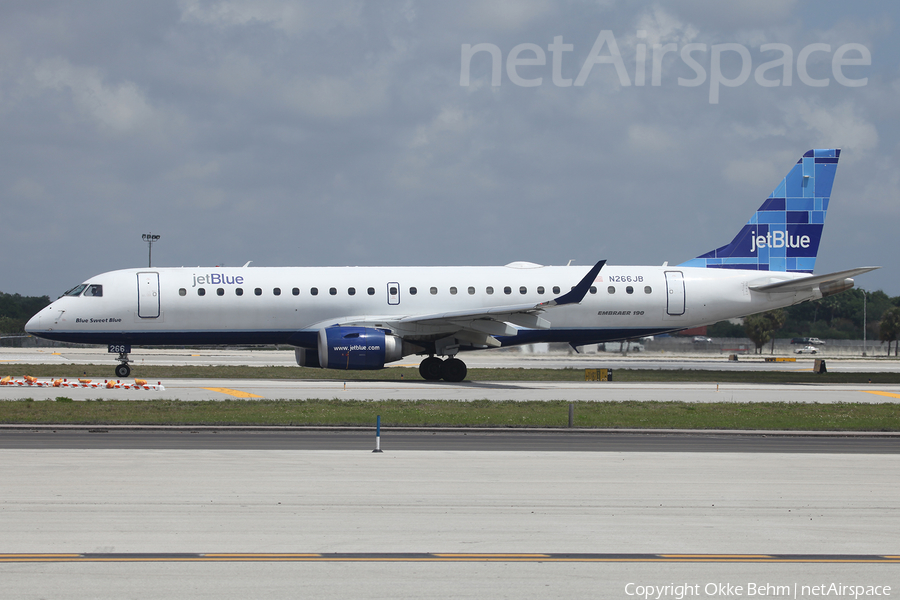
(577,293)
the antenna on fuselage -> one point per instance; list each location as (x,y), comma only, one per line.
(247,264)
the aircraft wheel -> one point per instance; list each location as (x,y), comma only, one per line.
(430,368)
(454,370)
(123,370)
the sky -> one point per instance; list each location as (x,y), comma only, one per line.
(382,133)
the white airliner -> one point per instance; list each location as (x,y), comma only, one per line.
(366,317)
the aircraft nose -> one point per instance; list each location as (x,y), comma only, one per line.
(34,323)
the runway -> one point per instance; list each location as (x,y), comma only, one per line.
(104,512)
(440,524)
(512,358)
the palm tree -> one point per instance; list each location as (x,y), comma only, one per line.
(889,328)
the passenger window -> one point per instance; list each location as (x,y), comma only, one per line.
(629,290)
(413,291)
(313,291)
(295,291)
(452,291)
(332,291)
(647,289)
(220,292)
(258,291)
(523,290)
(471,291)
(555,289)
(351,291)
(507,290)
(201,292)
(182,292)
(277,291)
(489,290)
(593,289)
(611,289)
(94,290)
(370,291)
(239,291)
(433,291)
(540,289)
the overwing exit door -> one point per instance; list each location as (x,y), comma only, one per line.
(393,293)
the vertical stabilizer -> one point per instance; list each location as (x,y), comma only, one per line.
(784,234)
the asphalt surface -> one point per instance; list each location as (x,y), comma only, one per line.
(239,439)
(107,512)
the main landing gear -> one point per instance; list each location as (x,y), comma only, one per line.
(433,369)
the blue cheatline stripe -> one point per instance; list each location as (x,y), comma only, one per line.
(309,339)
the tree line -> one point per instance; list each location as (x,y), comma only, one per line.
(15,310)
(840,317)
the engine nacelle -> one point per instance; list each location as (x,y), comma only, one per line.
(356,348)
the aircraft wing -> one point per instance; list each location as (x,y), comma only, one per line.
(482,324)
(823,282)
(477,325)
(523,312)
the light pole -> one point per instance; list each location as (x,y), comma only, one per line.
(150,238)
(865,307)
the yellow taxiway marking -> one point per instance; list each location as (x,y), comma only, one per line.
(235,393)
(446,557)
(716,556)
(489,555)
(888,394)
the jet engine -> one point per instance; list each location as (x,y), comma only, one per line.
(353,348)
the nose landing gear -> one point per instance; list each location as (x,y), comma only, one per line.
(123,370)
(434,369)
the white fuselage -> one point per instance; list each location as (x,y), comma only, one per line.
(289,305)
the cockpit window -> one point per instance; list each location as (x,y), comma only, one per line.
(75,291)
(94,290)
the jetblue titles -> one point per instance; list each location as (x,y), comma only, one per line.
(217,279)
(778,239)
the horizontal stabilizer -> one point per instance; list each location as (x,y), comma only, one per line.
(808,283)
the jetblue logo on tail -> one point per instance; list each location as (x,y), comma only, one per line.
(777,239)
(784,233)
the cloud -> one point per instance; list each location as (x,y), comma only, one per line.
(120,108)
(508,14)
(291,17)
(260,129)
(839,126)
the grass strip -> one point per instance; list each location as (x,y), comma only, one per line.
(163,372)
(448,413)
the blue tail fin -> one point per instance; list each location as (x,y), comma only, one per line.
(784,234)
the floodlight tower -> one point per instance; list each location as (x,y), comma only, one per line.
(150,238)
